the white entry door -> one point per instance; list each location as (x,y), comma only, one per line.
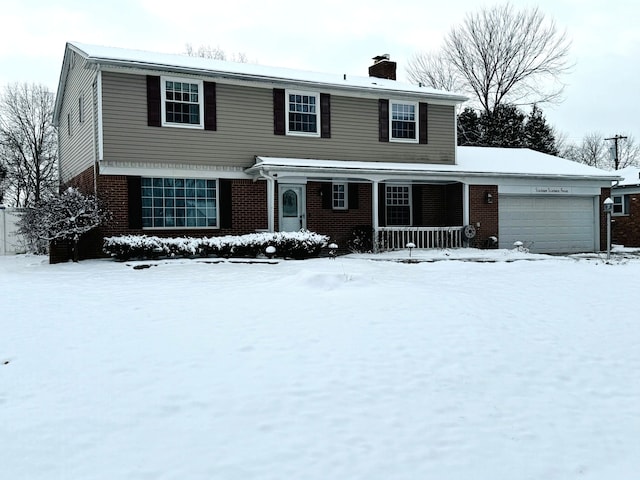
(292,208)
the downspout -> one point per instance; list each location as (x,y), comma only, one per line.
(94,133)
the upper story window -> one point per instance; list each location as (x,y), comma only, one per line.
(303,113)
(621,204)
(182,102)
(339,199)
(403,121)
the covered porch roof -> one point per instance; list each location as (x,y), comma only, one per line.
(471,162)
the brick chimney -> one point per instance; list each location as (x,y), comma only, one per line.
(383,67)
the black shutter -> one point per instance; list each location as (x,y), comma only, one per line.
(279,114)
(353,196)
(382,205)
(134,193)
(383,120)
(422,120)
(416,205)
(225,207)
(326,190)
(325,115)
(210,120)
(154,111)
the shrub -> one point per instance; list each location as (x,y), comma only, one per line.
(298,245)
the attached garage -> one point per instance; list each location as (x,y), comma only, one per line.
(549,224)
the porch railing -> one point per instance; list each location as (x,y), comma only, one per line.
(391,238)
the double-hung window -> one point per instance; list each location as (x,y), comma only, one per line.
(403,121)
(303,113)
(398,204)
(339,196)
(179,203)
(621,204)
(182,102)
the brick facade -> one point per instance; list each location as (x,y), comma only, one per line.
(338,224)
(625,229)
(483,215)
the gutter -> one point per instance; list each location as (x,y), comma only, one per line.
(436,173)
(274,80)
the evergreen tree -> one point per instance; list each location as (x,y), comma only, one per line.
(503,127)
(538,135)
(468,128)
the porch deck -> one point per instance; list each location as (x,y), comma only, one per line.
(391,238)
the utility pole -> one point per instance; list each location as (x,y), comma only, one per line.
(616,158)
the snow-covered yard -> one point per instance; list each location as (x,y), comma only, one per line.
(349,369)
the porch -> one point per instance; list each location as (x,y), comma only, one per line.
(385,205)
(393,238)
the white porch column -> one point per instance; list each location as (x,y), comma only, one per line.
(374,211)
(465,204)
(271,190)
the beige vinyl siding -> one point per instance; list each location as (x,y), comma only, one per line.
(245,129)
(77,151)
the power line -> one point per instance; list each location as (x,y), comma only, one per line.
(616,158)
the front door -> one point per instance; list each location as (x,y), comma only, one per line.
(292,208)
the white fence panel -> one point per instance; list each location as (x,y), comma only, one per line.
(10,241)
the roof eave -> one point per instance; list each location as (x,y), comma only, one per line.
(330,170)
(160,67)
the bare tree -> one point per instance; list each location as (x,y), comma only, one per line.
(215,53)
(591,151)
(28,146)
(501,56)
(435,71)
(595,151)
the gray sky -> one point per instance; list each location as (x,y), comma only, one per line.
(337,36)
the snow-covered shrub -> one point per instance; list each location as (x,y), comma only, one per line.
(303,244)
(66,216)
(361,239)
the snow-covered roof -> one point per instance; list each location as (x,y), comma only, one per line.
(247,71)
(631,177)
(471,161)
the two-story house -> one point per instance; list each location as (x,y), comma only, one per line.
(178,145)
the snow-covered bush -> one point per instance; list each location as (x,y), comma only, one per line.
(66,216)
(302,244)
(361,239)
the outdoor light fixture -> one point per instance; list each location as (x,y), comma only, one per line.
(608,208)
(332,251)
(488,198)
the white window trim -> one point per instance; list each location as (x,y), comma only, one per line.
(286,107)
(346,196)
(410,188)
(417,113)
(216,227)
(163,100)
(623,204)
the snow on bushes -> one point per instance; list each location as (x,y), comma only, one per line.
(302,244)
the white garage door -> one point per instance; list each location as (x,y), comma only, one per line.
(549,224)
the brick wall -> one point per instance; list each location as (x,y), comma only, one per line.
(338,224)
(486,214)
(625,230)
